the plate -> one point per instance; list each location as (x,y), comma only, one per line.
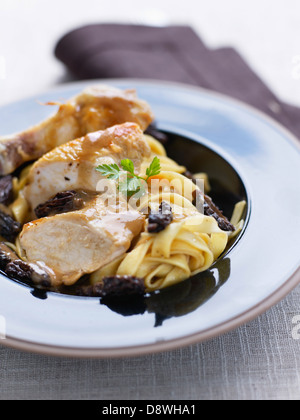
(254,157)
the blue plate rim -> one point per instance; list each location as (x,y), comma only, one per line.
(250,314)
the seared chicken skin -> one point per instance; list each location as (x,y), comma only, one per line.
(71,166)
(79,242)
(94,109)
(69,245)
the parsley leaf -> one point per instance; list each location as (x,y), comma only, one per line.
(127,165)
(154,168)
(131,184)
(110,171)
(134,184)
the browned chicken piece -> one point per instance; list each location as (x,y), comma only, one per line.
(71,166)
(96,108)
(72,244)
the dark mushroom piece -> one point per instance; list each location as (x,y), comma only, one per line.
(115,288)
(7,255)
(6,190)
(62,202)
(158,221)
(210,209)
(9,228)
(17,269)
(28,273)
(122,286)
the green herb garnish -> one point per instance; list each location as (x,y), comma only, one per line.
(129,184)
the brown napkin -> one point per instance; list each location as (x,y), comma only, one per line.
(172,53)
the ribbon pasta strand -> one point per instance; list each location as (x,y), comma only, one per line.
(189,245)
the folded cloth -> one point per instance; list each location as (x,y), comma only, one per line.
(172,53)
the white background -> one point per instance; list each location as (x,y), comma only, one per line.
(265,32)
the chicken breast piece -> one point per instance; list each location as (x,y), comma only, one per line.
(69,245)
(72,166)
(96,108)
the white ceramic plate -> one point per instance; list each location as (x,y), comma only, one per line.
(256,273)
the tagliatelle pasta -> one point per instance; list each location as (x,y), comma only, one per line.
(19,207)
(183,249)
(166,163)
(189,245)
